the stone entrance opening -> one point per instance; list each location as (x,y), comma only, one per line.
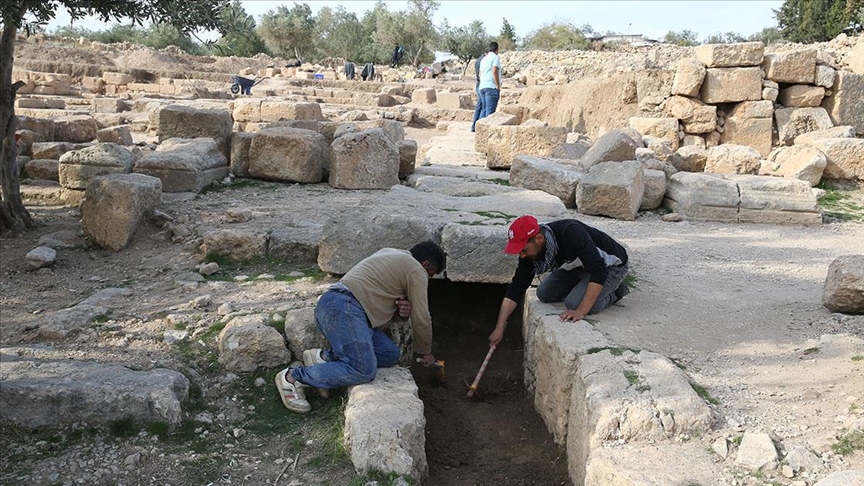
(496,437)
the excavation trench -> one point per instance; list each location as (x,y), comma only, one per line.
(496,437)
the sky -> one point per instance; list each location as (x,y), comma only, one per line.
(650,18)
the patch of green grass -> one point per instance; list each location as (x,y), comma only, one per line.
(737,440)
(159,429)
(703,393)
(495,215)
(838,205)
(616,351)
(180,326)
(383,479)
(679,364)
(123,428)
(500,182)
(241,184)
(103,317)
(642,388)
(858,357)
(632,377)
(851,442)
(809,351)
(450,210)
(630,279)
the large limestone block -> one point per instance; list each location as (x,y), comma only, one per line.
(337,253)
(53,392)
(79,167)
(44,169)
(424,96)
(115,206)
(849,476)
(688,77)
(757,452)
(613,189)
(462,100)
(499,118)
(120,134)
(655,190)
(702,196)
(407,157)
(614,145)
(176,121)
(302,332)
(730,85)
(235,244)
(246,110)
(288,154)
(474,253)
(801,95)
(801,162)
(696,116)
(284,110)
(248,343)
(51,150)
(184,165)
(825,76)
(117,78)
(846,106)
(108,105)
(385,426)
(364,160)
(845,157)
(295,245)
(546,175)
(794,67)
(843,131)
(732,159)
(730,55)
(765,199)
(394,130)
(792,122)
(663,128)
(531,138)
(75,129)
(750,123)
(691,158)
(239,161)
(42,126)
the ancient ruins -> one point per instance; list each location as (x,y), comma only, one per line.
(153,179)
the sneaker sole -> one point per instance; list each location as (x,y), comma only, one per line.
(289,405)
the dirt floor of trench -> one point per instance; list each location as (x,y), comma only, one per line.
(495,437)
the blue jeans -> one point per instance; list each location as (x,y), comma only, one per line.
(490,101)
(357,350)
(570,286)
(478,110)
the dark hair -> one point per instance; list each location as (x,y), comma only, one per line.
(493,46)
(431,252)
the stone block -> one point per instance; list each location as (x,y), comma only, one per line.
(766,199)
(663,128)
(792,122)
(700,196)
(688,78)
(462,100)
(845,157)
(697,117)
(481,134)
(546,175)
(108,105)
(655,190)
(288,154)
(613,189)
(394,130)
(235,244)
(825,76)
(281,110)
(691,158)
(75,129)
(505,142)
(295,245)
(801,95)
(115,206)
(425,96)
(43,169)
(246,110)
(474,253)
(177,121)
(117,78)
(614,145)
(364,160)
(50,150)
(240,144)
(844,285)
(120,134)
(844,131)
(800,162)
(750,123)
(79,167)
(731,85)
(792,67)
(730,55)
(373,99)
(407,157)
(732,159)
(42,126)
(845,106)
(248,343)
(184,165)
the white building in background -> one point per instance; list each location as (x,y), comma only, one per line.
(633,39)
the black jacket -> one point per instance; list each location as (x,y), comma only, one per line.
(576,240)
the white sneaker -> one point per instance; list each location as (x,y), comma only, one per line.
(312,357)
(292,394)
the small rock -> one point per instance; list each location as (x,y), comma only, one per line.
(787,471)
(237,215)
(133,459)
(200,302)
(259,382)
(239,433)
(266,276)
(672,218)
(241,278)
(208,268)
(173,336)
(721,447)
(224,309)
(204,418)
(296,274)
(41,256)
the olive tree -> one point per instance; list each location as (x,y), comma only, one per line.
(18,15)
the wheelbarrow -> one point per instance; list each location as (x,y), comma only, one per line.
(239,84)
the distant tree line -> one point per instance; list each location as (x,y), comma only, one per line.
(294,32)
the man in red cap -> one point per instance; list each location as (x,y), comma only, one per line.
(586,268)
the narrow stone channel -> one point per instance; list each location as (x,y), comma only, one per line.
(496,437)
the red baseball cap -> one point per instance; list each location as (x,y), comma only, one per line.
(522,230)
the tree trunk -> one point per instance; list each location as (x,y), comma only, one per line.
(417,57)
(13,215)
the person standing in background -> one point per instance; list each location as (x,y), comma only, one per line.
(490,80)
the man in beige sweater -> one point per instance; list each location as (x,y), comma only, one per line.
(350,314)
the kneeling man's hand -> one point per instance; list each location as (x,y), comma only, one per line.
(571,316)
(404,307)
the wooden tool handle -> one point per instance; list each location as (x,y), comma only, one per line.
(473,386)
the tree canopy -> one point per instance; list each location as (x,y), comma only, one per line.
(816,20)
(683,38)
(466,43)
(559,35)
